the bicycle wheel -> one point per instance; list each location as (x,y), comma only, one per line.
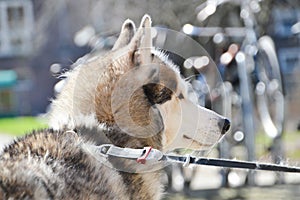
(269,89)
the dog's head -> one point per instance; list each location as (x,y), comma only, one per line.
(138,89)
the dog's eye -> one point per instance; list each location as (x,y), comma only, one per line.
(157,94)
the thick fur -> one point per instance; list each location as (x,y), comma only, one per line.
(51,164)
(131,97)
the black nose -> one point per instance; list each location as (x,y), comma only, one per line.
(224,125)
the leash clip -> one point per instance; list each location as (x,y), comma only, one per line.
(142,159)
(149,154)
(187,161)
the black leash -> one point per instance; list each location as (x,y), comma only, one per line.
(149,154)
(231,163)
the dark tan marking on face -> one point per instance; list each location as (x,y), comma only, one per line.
(157,94)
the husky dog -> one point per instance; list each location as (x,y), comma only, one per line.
(131,97)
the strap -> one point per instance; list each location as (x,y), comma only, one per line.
(150,154)
(141,155)
(185,160)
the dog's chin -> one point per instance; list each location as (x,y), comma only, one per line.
(188,143)
(199,147)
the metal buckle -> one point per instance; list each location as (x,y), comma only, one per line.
(104,149)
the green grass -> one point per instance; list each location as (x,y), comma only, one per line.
(20,125)
(291,141)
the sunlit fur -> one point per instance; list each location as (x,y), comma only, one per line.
(133,96)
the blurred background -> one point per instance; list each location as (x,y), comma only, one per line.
(249,72)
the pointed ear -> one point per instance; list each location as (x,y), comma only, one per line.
(142,42)
(127,33)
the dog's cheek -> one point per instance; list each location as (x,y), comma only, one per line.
(167,138)
(171,113)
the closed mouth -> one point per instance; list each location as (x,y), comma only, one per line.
(200,143)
